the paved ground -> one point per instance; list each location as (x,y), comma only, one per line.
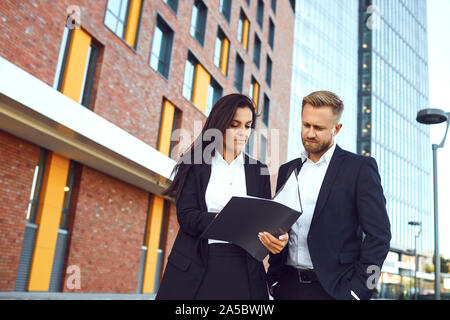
(14,295)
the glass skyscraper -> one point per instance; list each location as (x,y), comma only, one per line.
(393,87)
(399,89)
(325,58)
(373,54)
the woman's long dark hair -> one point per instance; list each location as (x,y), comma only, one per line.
(220,118)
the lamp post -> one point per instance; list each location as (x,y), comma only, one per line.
(435,116)
(418,229)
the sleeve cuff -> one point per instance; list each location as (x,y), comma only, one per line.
(354,295)
(271,288)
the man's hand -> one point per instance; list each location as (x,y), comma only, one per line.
(273,244)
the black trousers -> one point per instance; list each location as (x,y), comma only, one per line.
(226,276)
(289,287)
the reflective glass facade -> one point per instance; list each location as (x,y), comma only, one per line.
(401,146)
(373,54)
(325,58)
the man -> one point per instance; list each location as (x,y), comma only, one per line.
(338,245)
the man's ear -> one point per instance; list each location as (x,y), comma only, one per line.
(337,128)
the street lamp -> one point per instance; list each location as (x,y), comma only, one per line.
(435,116)
(418,229)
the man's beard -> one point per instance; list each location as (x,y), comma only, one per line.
(317,148)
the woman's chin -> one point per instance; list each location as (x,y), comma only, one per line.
(239,149)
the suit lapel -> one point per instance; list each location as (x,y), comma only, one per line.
(330,176)
(204,176)
(295,165)
(251,175)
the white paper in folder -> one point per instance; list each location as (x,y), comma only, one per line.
(289,195)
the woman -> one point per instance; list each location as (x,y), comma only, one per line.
(209,269)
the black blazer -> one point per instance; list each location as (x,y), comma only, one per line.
(350,202)
(188,258)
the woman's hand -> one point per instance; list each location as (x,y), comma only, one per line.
(273,244)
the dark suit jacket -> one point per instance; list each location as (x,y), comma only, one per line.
(350,203)
(187,260)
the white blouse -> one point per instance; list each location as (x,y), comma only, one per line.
(226,181)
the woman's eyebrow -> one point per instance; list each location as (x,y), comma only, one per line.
(240,122)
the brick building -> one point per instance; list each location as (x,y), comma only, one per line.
(90,94)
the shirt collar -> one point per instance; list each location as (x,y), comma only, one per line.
(326,157)
(219,158)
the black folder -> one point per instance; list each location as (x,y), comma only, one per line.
(243,218)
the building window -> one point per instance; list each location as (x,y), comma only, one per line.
(257,51)
(116,16)
(367,39)
(215,92)
(152,253)
(173,4)
(189,71)
(221,51)
(248,2)
(254,93)
(54,194)
(225,8)
(161,47)
(271,33)
(266,110)
(78,65)
(366,83)
(63,232)
(273,4)
(260,13)
(88,85)
(366,60)
(46,182)
(197,83)
(36,186)
(31,227)
(68,192)
(268,71)
(168,124)
(243,30)
(239,74)
(198,21)
(122,17)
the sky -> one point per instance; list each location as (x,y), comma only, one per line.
(439,71)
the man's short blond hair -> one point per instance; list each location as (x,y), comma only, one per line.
(325,98)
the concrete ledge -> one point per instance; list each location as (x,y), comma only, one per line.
(35,112)
(15,295)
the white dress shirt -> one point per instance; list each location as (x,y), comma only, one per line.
(226,181)
(310,180)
